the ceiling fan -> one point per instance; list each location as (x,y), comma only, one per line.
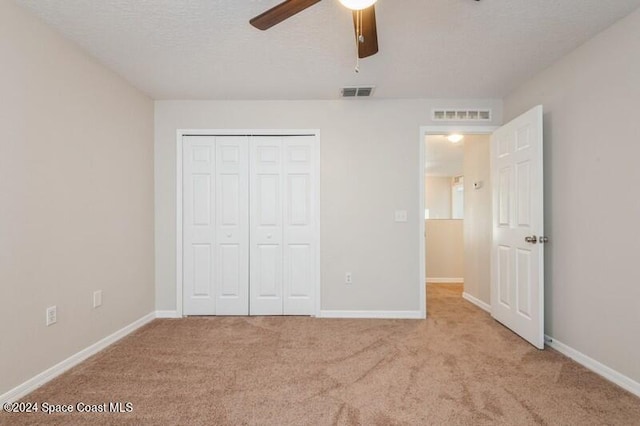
(364,20)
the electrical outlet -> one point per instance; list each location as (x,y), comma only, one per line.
(52,315)
(401,216)
(97,299)
(348,279)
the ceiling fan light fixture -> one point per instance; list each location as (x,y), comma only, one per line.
(357,4)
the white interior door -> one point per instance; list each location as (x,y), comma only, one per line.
(232,225)
(250,225)
(283,234)
(299,228)
(266,230)
(215,225)
(199,254)
(517,258)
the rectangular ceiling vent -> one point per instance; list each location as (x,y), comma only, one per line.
(357,92)
(447,114)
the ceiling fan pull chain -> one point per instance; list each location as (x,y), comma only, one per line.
(359,38)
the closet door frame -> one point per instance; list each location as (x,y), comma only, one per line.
(180,133)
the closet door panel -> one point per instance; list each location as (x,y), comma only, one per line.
(268,258)
(266,190)
(299,230)
(199,260)
(232,225)
(300,272)
(249,225)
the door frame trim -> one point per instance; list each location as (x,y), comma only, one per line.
(180,133)
(424,132)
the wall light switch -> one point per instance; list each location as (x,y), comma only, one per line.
(97,298)
(401,215)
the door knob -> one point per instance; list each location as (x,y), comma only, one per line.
(543,239)
(532,239)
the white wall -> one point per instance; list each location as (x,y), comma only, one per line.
(592,208)
(477,217)
(369,168)
(444,250)
(437,192)
(457,200)
(76,198)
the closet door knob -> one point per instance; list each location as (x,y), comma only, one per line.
(533,239)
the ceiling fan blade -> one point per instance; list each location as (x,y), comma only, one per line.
(369,45)
(279,13)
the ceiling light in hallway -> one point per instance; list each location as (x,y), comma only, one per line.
(455,138)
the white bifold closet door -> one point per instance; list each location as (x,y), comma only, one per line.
(215,225)
(283,231)
(249,225)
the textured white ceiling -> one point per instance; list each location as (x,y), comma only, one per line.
(206,49)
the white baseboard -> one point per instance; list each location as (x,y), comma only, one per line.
(445,280)
(167,314)
(42,378)
(479,303)
(597,367)
(372,314)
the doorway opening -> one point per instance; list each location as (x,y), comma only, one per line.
(456,201)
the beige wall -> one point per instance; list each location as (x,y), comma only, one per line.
(592,148)
(437,192)
(369,168)
(444,249)
(76,198)
(477,217)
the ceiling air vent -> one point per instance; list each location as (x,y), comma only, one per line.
(447,114)
(357,92)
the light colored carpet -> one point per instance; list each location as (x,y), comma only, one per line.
(459,367)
